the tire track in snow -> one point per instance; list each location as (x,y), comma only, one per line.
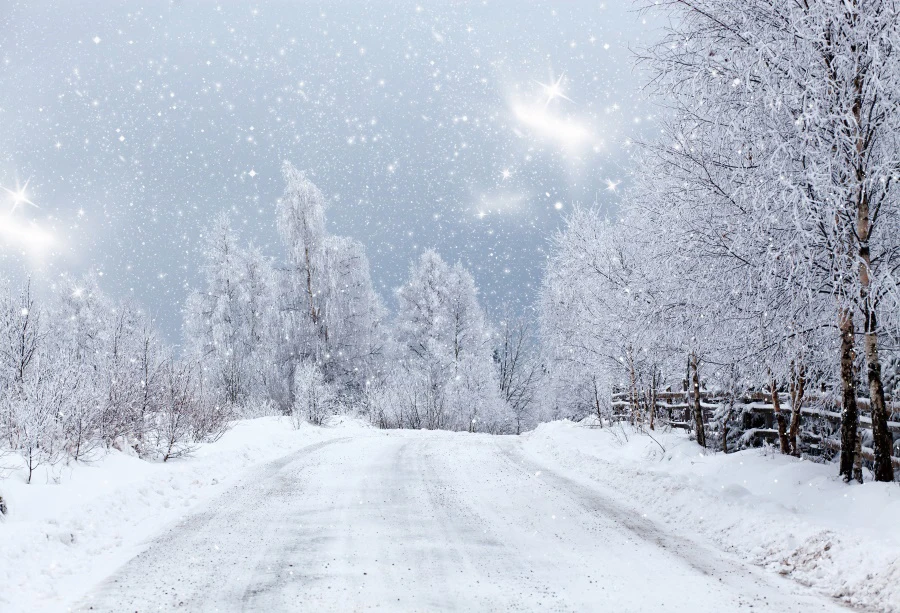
(714,563)
(431,521)
(155,579)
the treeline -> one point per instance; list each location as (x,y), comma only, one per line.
(759,246)
(80,372)
(305,335)
(309,336)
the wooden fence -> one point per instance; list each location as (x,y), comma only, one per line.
(821,417)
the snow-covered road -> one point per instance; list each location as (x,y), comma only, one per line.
(431,521)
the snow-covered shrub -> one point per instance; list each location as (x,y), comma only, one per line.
(314,398)
(173,433)
(408,400)
(210,420)
(252,409)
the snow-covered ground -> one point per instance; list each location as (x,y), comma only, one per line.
(73,526)
(794,517)
(343,518)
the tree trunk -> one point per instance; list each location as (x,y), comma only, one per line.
(779,419)
(881,435)
(313,312)
(798,387)
(857,460)
(698,407)
(849,410)
(635,414)
(597,401)
(725,432)
(731,402)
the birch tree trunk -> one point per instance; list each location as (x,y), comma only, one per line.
(883,469)
(798,388)
(857,461)
(779,419)
(635,409)
(881,435)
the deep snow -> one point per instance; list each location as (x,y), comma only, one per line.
(795,517)
(563,518)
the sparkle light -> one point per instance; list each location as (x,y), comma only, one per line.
(19,233)
(554,90)
(19,196)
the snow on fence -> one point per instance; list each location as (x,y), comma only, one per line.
(821,416)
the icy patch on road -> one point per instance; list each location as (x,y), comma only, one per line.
(61,538)
(792,516)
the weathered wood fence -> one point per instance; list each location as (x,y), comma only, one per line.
(821,417)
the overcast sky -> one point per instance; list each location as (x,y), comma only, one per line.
(468,127)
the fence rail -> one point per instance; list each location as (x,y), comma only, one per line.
(757,413)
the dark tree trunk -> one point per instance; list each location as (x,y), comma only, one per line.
(849,409)
(597,401)
(635,409)
(698,407)
(881,435)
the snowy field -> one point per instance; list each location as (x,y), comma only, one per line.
(346,517)
(70,528)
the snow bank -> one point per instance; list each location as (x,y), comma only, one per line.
(59,539)
(792,516)
(348,422)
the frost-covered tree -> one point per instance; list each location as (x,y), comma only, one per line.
(314,398)
(519,369)
(80,373)
(301,225)
(602,312)
(330,312)
(214,324)
(353,316)
(805,95)
(83,318)
(443,339)
(230,323)
(261,319)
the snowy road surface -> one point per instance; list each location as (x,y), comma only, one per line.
(431,521)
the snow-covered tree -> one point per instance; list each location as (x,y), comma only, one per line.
(215,326)
(353,316)
(301,225)
(80,373)
(519,369)
(230,323)
(330,312)
(314,398)
(803,99)
(442,338)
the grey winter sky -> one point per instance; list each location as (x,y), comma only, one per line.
(470,127)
